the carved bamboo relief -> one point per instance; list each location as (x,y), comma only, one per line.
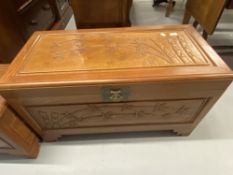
(70,116)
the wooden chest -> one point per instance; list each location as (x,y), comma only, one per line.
(15,137)
(115,80)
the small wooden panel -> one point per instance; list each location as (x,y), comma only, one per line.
(15,137)
(18,138)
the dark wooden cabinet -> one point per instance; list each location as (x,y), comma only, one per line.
(11,32)
(19,19)
(229,4)
(104,13)
(38,17)
(63,13)
(62,6)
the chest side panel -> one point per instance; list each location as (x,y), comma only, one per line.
(15,137)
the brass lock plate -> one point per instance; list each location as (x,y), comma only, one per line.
(115,94)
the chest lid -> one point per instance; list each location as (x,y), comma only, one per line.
(59,58)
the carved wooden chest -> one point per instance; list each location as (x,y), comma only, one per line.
(115,80)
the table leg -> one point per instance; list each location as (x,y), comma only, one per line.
(187,17)
(169,8)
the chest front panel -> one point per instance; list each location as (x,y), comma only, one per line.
(151,112)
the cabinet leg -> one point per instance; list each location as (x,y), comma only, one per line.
(34,151)
(169,8)
(183,131)
(51,138)
(195,24)
(187,17)
(205,35)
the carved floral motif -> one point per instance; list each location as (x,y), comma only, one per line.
(170,50)
(70,116)
(101,51)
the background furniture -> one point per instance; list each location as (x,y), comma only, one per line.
(169,7)
(229,4)
(15,137)
(20,18)
(82,82)
(99,14)
(206,13)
